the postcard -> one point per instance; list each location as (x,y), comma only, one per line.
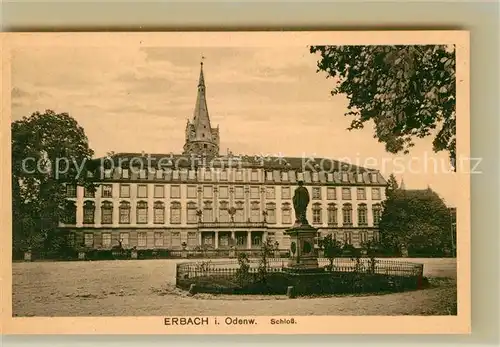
(236,183)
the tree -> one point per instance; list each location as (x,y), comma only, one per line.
(417,219)
(331,249)
(407,91)
(48,151)
(392,185)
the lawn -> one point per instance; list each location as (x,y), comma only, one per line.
(147,288)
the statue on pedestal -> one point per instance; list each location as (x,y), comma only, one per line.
(300,202)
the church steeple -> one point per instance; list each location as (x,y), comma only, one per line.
(201,138)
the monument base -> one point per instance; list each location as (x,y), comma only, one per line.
(303,254)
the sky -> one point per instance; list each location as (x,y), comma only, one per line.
(266,101)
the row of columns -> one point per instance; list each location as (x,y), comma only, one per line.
(233,236)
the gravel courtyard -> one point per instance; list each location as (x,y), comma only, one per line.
(147,288)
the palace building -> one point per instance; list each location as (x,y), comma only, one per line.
(200,198)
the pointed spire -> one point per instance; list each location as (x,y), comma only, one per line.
(402,185)
(201,81)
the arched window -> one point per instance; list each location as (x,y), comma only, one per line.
(377,213)
(191,213)
(208,212)
(239,215)
(286,213)
(175,212)
(107,212)
(124,212)
(271,212)
(88,212)
(347,214)
(223,212)
(316,209)
(362,215)
(332,214)
(142,212)
(255,212)
(159,212)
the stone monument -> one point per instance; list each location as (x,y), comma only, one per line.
(303,254)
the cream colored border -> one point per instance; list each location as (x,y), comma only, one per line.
(306,324)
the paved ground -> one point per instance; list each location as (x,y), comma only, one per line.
(146,287)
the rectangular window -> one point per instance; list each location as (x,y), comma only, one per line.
(175,174)
(192,240)
(106,215)
(239,216)
(256,240)
(125,173)
(106,240)
(142,239)
(286,216)
(142,174)
(124,215)
(124,238)
(142,191)
(270,193)
(269,175)
(89,193)
(361,194)
(175,192)
(374,177)
(223,175)
(223,192)
(191,216)
(71,191)
(239,175)
(284,176)
(329,177)
(271,216)
(176,239)
(254,192)
(89,239)
(346,193)
(376,193)
(347,237)
(159,216)
(254,176)
(159,174)
(191,192)
(331,193)
(142,215)
(238,192)
(316,193)
(207,176)
(332,216)
(317,216)
(208,192)
(285,192)
(363,235)
(241,240)
(208,215)
(159,191)
(175,215)
(223,216)
(124,191)
(254,215)
(184,174)
(107,191)
(88,215)
(191,174)
(158,239)
(315,177)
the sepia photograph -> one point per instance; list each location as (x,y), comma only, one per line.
(209,179)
